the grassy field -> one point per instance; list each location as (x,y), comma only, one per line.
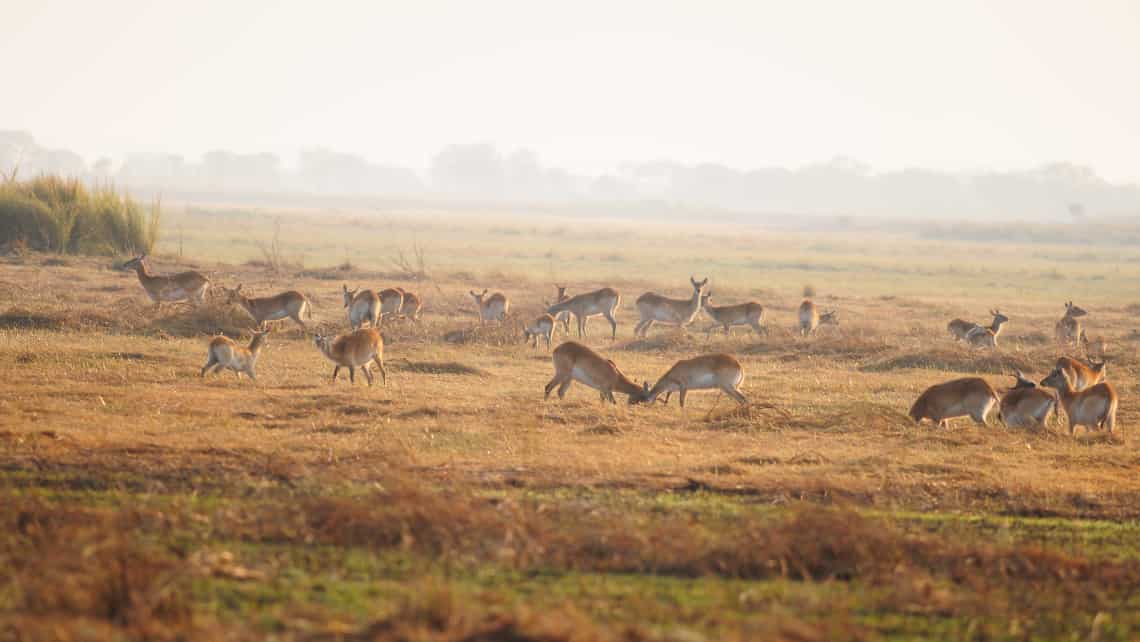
(140,501)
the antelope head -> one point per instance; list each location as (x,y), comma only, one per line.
(348,294)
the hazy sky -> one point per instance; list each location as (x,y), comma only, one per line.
(953,85)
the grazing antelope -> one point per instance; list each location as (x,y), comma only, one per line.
(357,349)
(1094,407)
(575,362)
(1068,329)
(363,305)
(583,306)
(941,402)
(1026,405)
(492,308)
(961,328)
(680,312)
(172,288)
(223,352)
(987,337)
(751,314)
(1080,375)
(391,302)
(543,327)
(810,318)
(706,372)
(410,309)
(291,304)
(564,316)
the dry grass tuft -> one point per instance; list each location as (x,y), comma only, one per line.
(954,359)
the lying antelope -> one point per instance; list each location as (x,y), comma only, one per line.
(357,349)
(750,314)
(941,402)
(655,308)
(603,302)
(706,372)
(391,302)
(223,352)
(575,362)
(172,288)
(1026,405)
(291,305)
(1080,375)
(987,337)
(543,327)
(562,317)
(810,318)
(1094,407)
(363,305)
(492,308)
(1068,329)
(410,309)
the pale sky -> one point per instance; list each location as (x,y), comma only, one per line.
(955,85)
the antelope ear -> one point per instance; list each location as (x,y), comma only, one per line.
(705,282)
(472,292)
(484,291)
(238,288)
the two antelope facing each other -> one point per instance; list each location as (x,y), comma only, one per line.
(978,335)
(370,306)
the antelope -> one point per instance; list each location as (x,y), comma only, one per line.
(172,288)
(1094,407)
(543,326)
(810,318)
(575,362)
(363,305)
(655,308)
(960,328)
(751,313)
(564,316)
(391,302)
(223,352)
(492,308)
(1080,375)
(706,372)
(1069,328)
(357,349)
(970,396)
(1096,346)
(987,337)
(1026,405)
(291,304)
(410,308)
(583,306)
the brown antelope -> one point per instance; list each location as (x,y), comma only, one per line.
(970,396)
(564,316)
(357,349)
(391,302)
(1026,405)
(706,372)
(1096,346)
(491,308)
(1080,375)
(1068,329)
(987,337)
(575,362)
(291,305)
(223,352)
(583,306)
(363,305)
(961,328)
(543,327)
(410,309)
(1094,407)
(655,308)
(751,314)
(810,318)
(172,288)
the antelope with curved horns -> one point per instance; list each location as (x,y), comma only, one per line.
(491,308)
(810,318)
(287,305)
(750,314)
(391,302)
(941,402)
(410,308)
(987,337)
(575,362)
(1094,407)
(603,302)
(706,372)
(363,305)
(223,352)
(357,349)
(1068,329)
(543,326)
(1080,375)
(172,288)
(655,308)
(1026,405)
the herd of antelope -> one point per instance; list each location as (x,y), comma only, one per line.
(1080,389)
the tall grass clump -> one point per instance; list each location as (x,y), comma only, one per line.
(62,215)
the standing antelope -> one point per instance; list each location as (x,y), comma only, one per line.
(583,306)
(291,304)
(543,327)
(810,318)
(223,352)
(575,362)
(492,308)
(706,372)
(987,337)
(1026,405)
(563,316)
(956,398)
(173,288)
(751,314)
(1080,375)
(363,305)
(1068,329)
(680,312)
(355,350)
(410,309)
(391,302)
(1094,407)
